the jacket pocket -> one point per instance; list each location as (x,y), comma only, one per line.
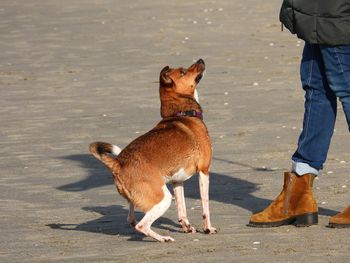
(287,16)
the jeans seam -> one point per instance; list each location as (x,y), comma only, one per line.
(341,67)
(309,110)
(307,120)
(311,67)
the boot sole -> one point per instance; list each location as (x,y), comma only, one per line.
(303,220)
(333,225)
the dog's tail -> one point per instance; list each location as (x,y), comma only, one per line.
(103,151)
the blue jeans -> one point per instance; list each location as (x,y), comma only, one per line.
(325,76)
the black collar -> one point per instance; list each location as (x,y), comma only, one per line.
(189,113)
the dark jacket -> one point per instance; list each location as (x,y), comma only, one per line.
(318,21)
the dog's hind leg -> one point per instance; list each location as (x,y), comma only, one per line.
(144,226)
(204,192)
(131,216)
(181,208)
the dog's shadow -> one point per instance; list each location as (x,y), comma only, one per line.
(112,221)
(223,188)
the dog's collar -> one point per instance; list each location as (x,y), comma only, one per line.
(189,113)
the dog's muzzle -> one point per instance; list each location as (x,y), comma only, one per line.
(199,77)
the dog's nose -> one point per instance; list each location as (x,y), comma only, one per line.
(200,61)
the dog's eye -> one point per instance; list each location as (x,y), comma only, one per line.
(182,72)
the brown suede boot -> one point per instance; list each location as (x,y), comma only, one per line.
(294,205)
(340,220)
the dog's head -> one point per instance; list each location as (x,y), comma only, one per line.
(181,81)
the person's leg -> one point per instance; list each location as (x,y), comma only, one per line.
(296,203)
(319,115)
(337,67)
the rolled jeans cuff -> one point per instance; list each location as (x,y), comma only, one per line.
(303,168)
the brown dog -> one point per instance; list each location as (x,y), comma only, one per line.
(178,147)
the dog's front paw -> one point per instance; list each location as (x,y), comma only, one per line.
(189,229)
(186,226)
(210,230)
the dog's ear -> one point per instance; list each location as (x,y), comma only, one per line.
(164,78)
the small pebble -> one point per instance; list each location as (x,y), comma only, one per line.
(226,103)
(226,93)
(342,161)
(104,115)
(196,240)
(271,44)
(323,203)
(256,243)
(255,84)
(329,172)
(343,186)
